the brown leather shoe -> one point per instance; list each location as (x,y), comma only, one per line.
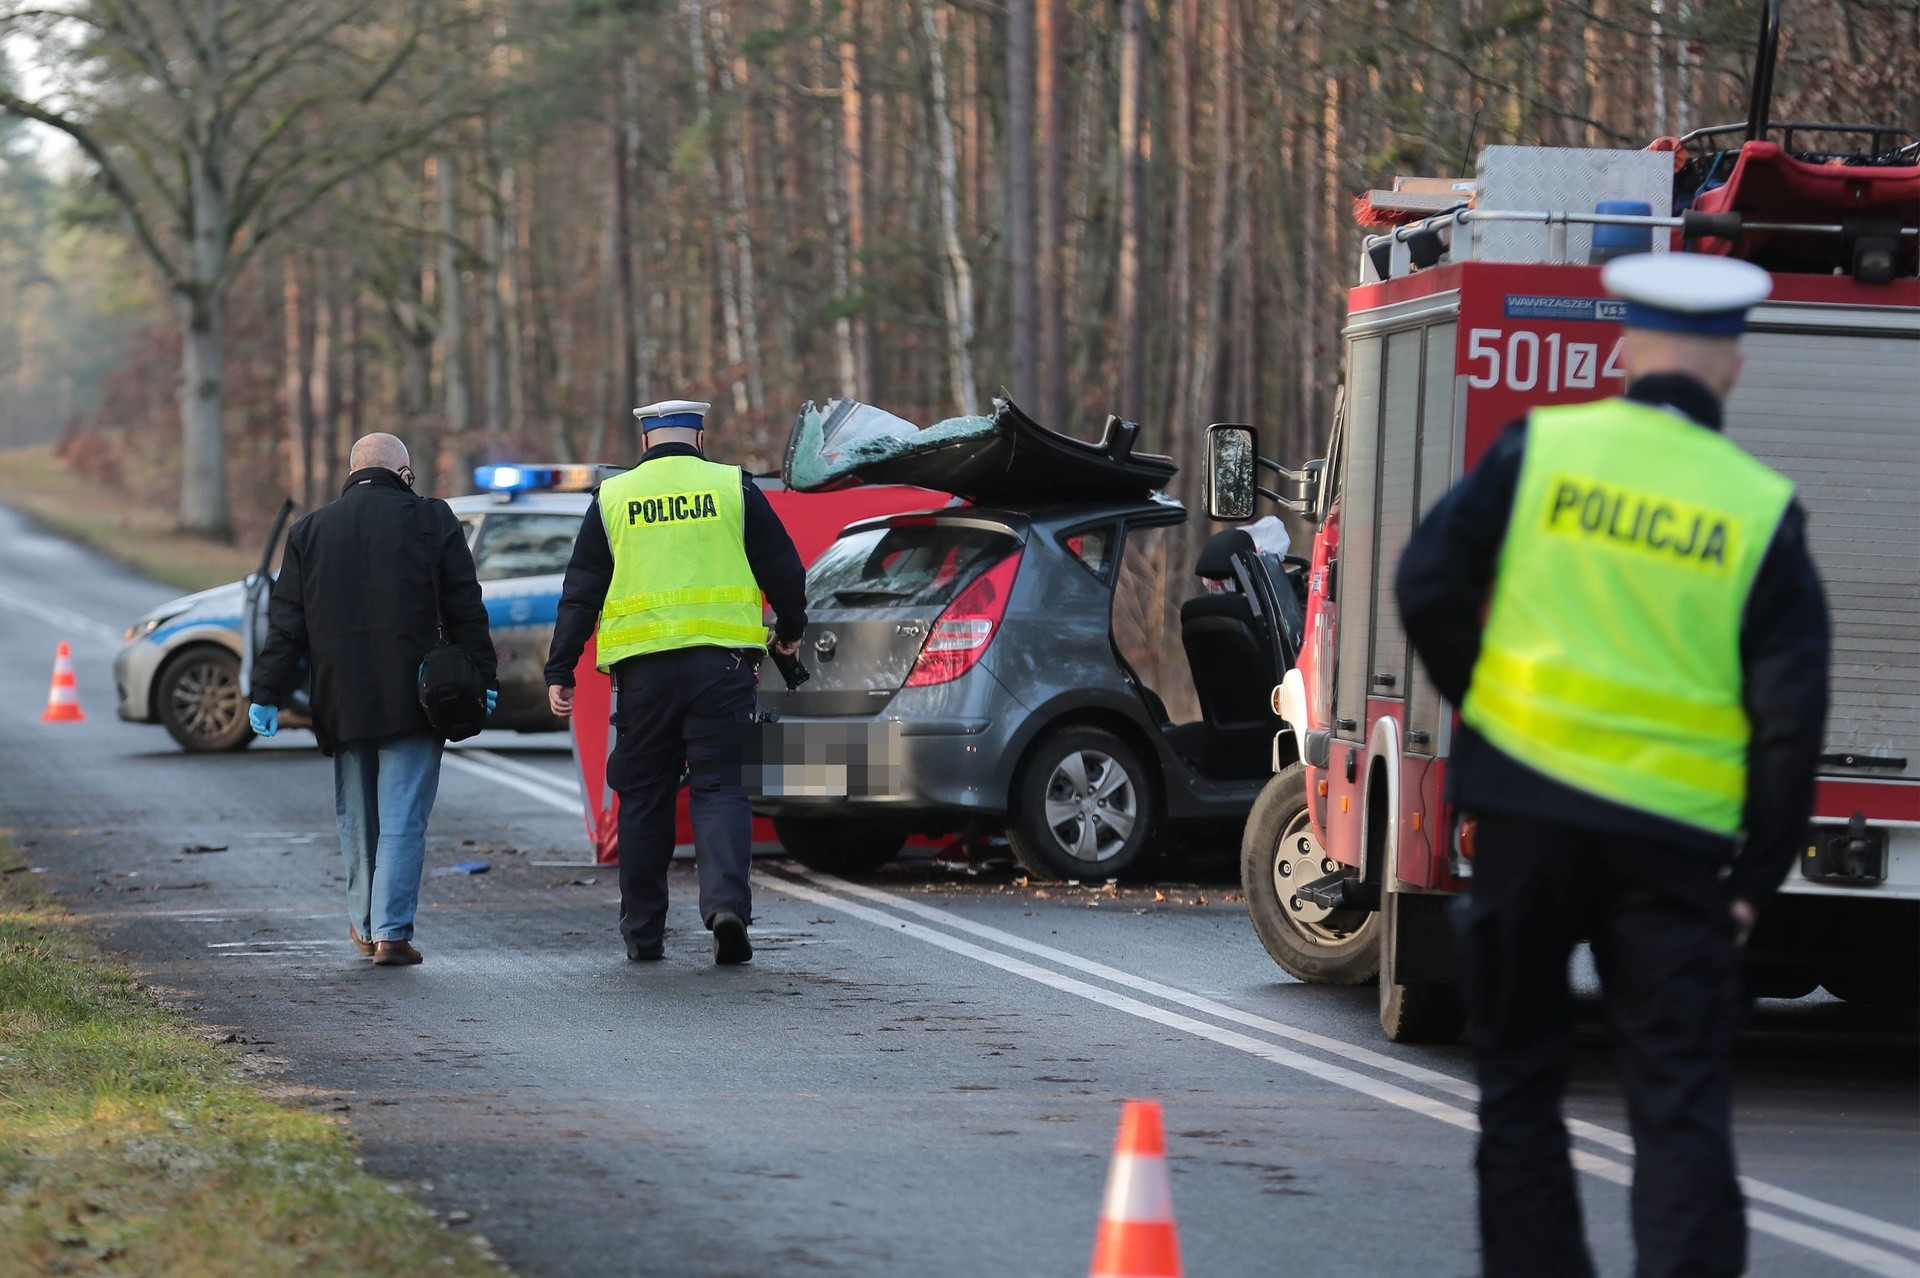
(365,947)
(395,954)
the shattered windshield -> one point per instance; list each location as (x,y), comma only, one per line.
(834,443)
(1005,458)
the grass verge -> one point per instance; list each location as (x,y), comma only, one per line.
(131,1144)
(140,535)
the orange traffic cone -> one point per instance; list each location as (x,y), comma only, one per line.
(1137,1238)
(63,698)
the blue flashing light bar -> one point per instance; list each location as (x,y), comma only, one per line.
(564,477)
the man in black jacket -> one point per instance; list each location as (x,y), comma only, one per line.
(355,603)
(1642,705)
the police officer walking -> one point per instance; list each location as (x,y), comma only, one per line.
(1641,709)
(671,562)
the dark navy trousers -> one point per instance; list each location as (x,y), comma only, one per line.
(688,710)
(1664,941)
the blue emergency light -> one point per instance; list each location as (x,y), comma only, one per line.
(564,477)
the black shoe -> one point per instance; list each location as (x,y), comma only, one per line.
(637,954)
(730,943)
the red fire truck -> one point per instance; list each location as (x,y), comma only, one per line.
(1464,320)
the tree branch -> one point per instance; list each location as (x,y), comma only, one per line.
(406,140)
(116,184)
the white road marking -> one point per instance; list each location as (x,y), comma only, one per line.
(1167,993)
(525,771)
(1859,1222)
(1867,1257)
(541,791)
(62,619)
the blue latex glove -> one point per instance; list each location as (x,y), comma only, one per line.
(493,699)
(265,720)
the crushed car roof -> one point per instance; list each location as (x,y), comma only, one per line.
(1005,458)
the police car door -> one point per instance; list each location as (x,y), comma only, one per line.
(253,608)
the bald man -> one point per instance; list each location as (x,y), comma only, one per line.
(355,603)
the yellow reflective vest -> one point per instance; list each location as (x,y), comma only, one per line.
(1610,660)
(677,528)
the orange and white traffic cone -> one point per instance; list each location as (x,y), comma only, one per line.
(63,698)
(1137,1238)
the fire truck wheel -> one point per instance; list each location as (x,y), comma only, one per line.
(1280,852)
(838,847)
(1083,808)
(1425,1013)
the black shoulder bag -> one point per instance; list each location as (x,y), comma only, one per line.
(450,690)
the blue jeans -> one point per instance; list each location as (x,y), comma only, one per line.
(382,794)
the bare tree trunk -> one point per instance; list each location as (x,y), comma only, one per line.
(641,336)
(729,281)
(853,183)
(1022,282)
(1051,89)
(456,406)
(513,299)
(1185,33)
(203,361)
(749,284)
(1128,316)
(297,328)
(619,266)
(956,281)
(330,338)
(846,364)
(493,316)
(1208,346)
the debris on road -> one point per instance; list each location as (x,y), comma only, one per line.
(460,867)
(192,848)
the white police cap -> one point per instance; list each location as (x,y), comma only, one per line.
(673,412)
(1687,292)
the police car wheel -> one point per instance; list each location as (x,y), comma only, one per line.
(201,703)
(1083,808)
(838,847)
(1280,852)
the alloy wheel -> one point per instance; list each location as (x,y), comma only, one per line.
(206,699)
(1091,806)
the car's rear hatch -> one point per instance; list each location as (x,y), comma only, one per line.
(874,596)
(1004,458)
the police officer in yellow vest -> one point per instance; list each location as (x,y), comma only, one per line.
(1620,602)
(671,562)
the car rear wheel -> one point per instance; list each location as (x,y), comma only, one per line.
(201,703)
(1279,853)
(1083,808)
(838,846)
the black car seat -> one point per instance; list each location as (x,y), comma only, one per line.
(1233,665)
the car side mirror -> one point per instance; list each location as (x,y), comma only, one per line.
(1232,482)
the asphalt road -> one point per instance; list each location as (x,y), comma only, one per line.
(917,1074)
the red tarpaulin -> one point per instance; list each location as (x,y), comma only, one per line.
(814,520)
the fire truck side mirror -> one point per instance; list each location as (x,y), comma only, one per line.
(1232,485)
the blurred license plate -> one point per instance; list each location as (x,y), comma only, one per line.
(823,759)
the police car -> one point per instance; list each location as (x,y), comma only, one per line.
(185,664)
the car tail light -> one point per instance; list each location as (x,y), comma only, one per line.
(966,627)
